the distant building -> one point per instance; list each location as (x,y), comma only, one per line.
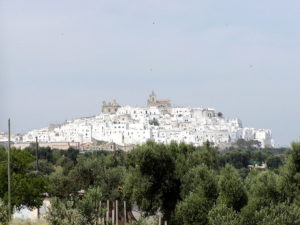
(54,145)
(110,108)
(153,101)
(256,165)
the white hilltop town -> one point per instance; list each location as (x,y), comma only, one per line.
(123,127)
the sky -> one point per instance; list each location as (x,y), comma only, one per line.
(60,59)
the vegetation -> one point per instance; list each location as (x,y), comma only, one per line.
(189,185)
(28,187)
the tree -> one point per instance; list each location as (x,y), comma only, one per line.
(220,214)
(90,207)
(66,163)
(290,175)
(274,162)
(188,184)
(263,191)
(60,185)
(264,188)
(43,153)
(200,177)
(231,189)
(204,155)
(28,188)
(151,179)
(237,158)
(103,171)
(61,213)
(180,153)
(3,213)
(44,167)
(77,211)
(279,214)
(111,182)
(85,172)
(72,154)
(193,209)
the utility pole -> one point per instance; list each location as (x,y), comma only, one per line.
(8,173)
(107,212)
(117,213)
(99,213)
(37,168)
(125,219)
(36,154)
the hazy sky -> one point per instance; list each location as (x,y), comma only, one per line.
(60,59)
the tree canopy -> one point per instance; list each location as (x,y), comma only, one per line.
(186,184)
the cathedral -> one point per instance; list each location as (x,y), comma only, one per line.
(153,101)
(111,107)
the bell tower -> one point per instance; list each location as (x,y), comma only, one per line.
(152,99)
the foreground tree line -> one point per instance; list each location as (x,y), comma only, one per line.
(188,185)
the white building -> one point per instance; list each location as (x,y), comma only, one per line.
(135,125)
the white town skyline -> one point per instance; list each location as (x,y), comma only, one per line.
(158,121)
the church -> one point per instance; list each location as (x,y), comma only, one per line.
(153,101)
